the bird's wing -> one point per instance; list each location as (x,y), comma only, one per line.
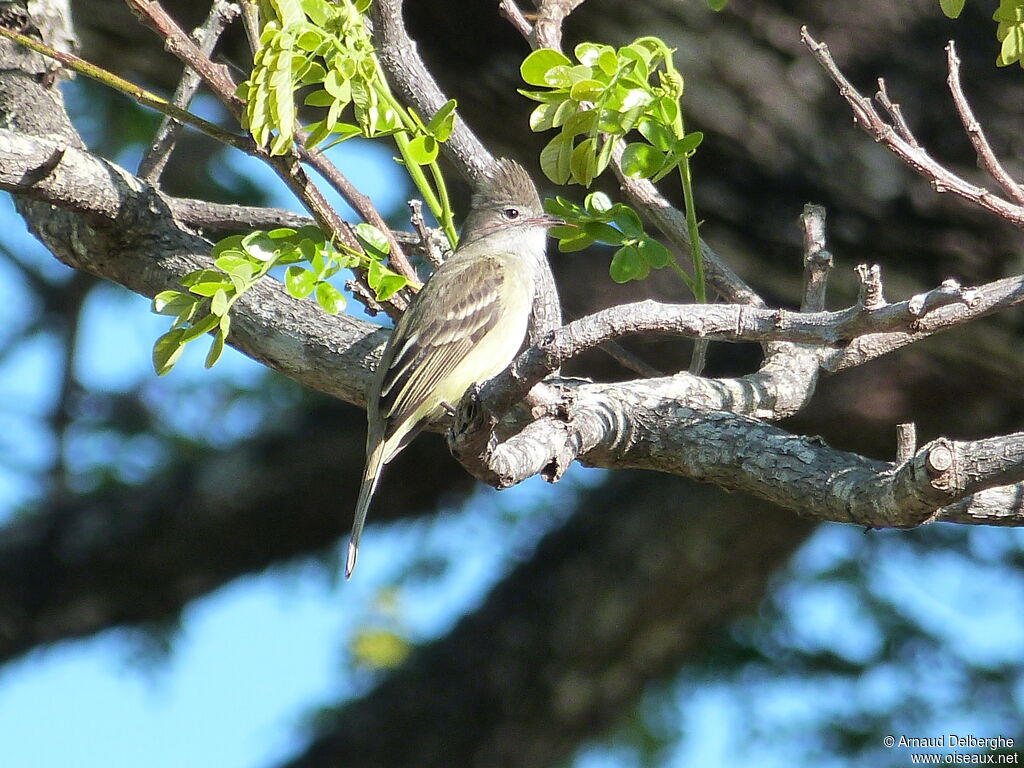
(464,301)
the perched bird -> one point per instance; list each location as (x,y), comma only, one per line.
(465,326)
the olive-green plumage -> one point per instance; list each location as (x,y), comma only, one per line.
(465,325)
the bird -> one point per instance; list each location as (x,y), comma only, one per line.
(464,326)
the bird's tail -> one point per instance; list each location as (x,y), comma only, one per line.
(374,464)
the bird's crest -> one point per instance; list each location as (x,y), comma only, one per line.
(506,181)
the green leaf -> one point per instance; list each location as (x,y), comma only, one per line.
(171,302)
(299,282)
(554,158)
(660,136)
(627,264)
(687,145)
(587,90)
(390,284)
(166,351)
(583,162)
(536,66)
(441,124)
(423,150)
(236,265)
(628,221)
(330,299)
(205,325)
(717,5)
(319,98)
(590,53)
(654,253)
(641,160)
(372,239)
(211,289)
(574,242)
(383,281)
(597,202)
(219,304)
(604,233)
(203,276)
(952,8)
(216,350)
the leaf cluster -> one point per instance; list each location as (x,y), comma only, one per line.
(1009,29)
(325,48)
(601,98)
(599,220)
(240,261)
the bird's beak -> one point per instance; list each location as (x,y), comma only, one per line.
(546,220)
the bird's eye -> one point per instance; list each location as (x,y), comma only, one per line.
(510,213)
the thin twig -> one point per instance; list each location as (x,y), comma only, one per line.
(942,179)
(362,204)
(986,157)
(896,113)
(222,13)
(432,251)
(630,361)
(550,15)
(288,167)
(515,17)
(817,260)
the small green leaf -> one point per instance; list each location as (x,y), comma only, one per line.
(211,289)
(166,351)
(554,158)
(171,302)
(627,264)
(657,134)
(330,299)
(597,202)
(423,150)
(717,5)
(372,239)
(441,124)
(383,281)
(577,241)
(219,304)
(205,325)
(216,349)
(952,8)
(641,160)
(299,282)
(604,233)
(654,253)
(628,221)
(234,262)
(587,90)
(536,66)
(583,162)
(319,98)
(687,145)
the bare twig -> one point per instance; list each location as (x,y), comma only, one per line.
(942,179)
(550,15)
(817,260)
(432,250)
(986,157)
(363,205)
(222,13)
(515,17)
(906,441)
(898,120)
